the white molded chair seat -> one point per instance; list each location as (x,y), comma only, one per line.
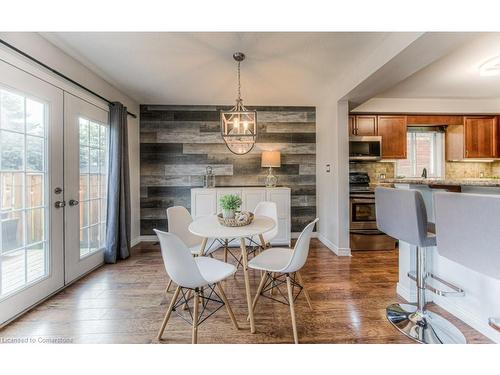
(273,260)
(213,270)
(283,264)
(268,209)
(179,219)
(196,274)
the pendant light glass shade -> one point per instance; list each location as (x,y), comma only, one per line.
(239,125)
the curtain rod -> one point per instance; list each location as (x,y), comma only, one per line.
(60,74)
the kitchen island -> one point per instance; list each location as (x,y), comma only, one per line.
(482,293)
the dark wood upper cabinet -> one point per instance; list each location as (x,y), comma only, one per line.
(392,129)
(366,125)
(481,137)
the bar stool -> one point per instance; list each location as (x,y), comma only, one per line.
(467,225)
(401,214)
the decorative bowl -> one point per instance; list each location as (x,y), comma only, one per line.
(240,220)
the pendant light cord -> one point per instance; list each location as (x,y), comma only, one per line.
(239,83)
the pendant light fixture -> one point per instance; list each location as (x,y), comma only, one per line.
(239,125)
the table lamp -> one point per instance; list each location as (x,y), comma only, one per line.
(271,159)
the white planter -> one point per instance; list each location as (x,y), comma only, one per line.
(228,214)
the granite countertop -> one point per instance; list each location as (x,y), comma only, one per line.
(491,182)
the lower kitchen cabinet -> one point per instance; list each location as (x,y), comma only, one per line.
(206,202)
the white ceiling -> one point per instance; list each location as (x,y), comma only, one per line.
(455,75)
(197,68)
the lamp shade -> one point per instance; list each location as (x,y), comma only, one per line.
(271,159)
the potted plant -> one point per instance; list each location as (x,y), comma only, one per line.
(229,204)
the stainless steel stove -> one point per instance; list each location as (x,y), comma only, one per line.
(364,234)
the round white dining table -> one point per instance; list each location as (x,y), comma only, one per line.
(209,227)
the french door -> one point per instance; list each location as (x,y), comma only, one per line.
(31,181)
(86,139)
(53,188)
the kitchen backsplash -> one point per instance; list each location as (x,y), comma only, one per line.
(374,169)
(468,169)
(179,142)
(452,169)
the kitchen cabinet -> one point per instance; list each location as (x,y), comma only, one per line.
(481,137)
(363,125)
(393,130)
(454,143)
(206,202)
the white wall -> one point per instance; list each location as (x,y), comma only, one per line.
(332,142)
(38,47)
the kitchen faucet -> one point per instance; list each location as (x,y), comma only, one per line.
(424,173)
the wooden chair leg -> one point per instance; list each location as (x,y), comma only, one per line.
(169,312)
(271,292)
(228,307)
(306,293)
(259,290)
(195,319)
(225,251)
(292,308)
(168,286)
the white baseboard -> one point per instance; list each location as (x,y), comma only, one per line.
(340,251)
(135,241)
(151,238)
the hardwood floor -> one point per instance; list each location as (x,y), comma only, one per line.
(125,303)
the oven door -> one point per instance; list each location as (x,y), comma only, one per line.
(363,213)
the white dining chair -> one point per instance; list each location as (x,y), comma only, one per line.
(282,265)
(201,275)
(179,218)
(268,209)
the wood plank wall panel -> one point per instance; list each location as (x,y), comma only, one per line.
(179,142)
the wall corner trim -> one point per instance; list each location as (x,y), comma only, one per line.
(339,251)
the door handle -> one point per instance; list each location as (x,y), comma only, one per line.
(73,202)
(60,204)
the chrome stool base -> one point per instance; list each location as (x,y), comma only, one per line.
(429,328)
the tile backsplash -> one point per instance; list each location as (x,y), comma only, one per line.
(452,169)
(467,170)
(374,169)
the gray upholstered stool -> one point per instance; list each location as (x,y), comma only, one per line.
(402,215)
(469,234)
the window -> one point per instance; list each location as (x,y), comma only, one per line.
(425,150)
(23,189)
(93,185)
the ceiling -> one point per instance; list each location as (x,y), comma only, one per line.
(455,75)
(197,68)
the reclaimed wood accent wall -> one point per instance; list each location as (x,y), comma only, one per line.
(179,142)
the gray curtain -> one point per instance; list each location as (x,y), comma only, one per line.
(118,223)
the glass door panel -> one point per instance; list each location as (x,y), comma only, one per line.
(30,247)
(93,139)
(86,179)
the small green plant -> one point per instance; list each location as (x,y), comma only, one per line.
(230,202)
